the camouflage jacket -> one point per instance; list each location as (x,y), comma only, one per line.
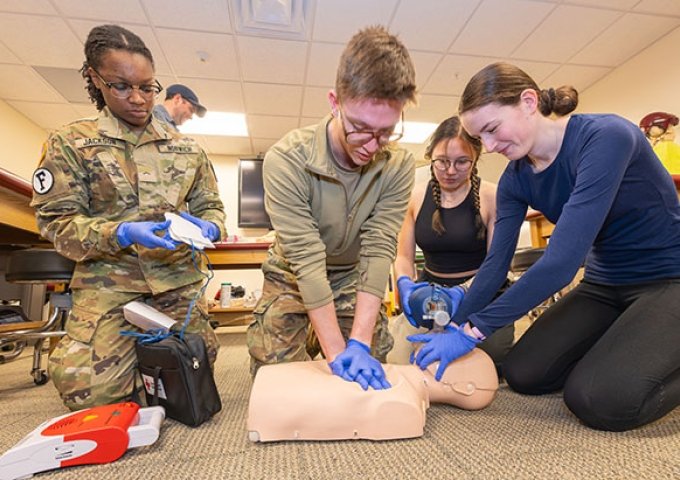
(95,173)
(318,227)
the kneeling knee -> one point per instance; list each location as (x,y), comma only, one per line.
(78,389)
(74,388)
(600,407)
(524,378)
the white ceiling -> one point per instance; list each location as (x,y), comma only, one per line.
(281,83)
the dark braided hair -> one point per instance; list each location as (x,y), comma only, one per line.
(99,41)
(448,130)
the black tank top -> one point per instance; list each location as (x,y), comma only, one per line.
(458,249)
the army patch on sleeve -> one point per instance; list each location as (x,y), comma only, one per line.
(43,181)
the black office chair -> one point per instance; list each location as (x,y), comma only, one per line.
(38,266)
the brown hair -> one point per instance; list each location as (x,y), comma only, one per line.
(448,130)
(99,41)
(375,64)
(503,83)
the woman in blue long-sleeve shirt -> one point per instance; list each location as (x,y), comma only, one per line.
(612,343)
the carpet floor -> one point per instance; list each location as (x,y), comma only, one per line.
(516,437)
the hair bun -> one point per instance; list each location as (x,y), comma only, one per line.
(561,101)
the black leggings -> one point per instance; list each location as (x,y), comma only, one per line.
(615,350)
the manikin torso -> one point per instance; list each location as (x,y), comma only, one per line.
(303,401)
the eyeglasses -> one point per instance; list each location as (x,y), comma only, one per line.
(124,90)
(362,137)
(462,164)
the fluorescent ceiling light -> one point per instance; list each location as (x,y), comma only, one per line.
(217,123)
(416,132)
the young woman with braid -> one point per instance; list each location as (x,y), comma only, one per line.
(451,219)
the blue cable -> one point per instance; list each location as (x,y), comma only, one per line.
(208,277)
(156,335)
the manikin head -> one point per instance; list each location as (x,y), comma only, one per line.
(304,401)
(374,82)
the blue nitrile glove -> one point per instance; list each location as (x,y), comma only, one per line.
(445,347)
(456,295)
(406,286)
(143,233)
(208,229)
(355,364)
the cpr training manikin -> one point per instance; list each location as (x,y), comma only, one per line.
(303,401)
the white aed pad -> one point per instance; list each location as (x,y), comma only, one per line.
(146,317)
(182,230)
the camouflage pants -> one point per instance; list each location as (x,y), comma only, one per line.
(93,364)
(281,330)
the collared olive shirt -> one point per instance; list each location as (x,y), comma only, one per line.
(320,227)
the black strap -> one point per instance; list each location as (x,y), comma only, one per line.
(156,378)
(137,390)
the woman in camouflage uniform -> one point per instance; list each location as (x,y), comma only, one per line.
(101,190)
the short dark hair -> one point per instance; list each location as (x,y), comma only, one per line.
(504,83)
(375,64)
(101,39)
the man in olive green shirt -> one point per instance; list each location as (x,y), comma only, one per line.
(336,194)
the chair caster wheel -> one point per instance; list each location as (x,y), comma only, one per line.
(40,378)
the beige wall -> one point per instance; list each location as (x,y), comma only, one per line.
(649,82)
(21,141)
(491,166)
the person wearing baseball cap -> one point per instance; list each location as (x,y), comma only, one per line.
(180,104)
